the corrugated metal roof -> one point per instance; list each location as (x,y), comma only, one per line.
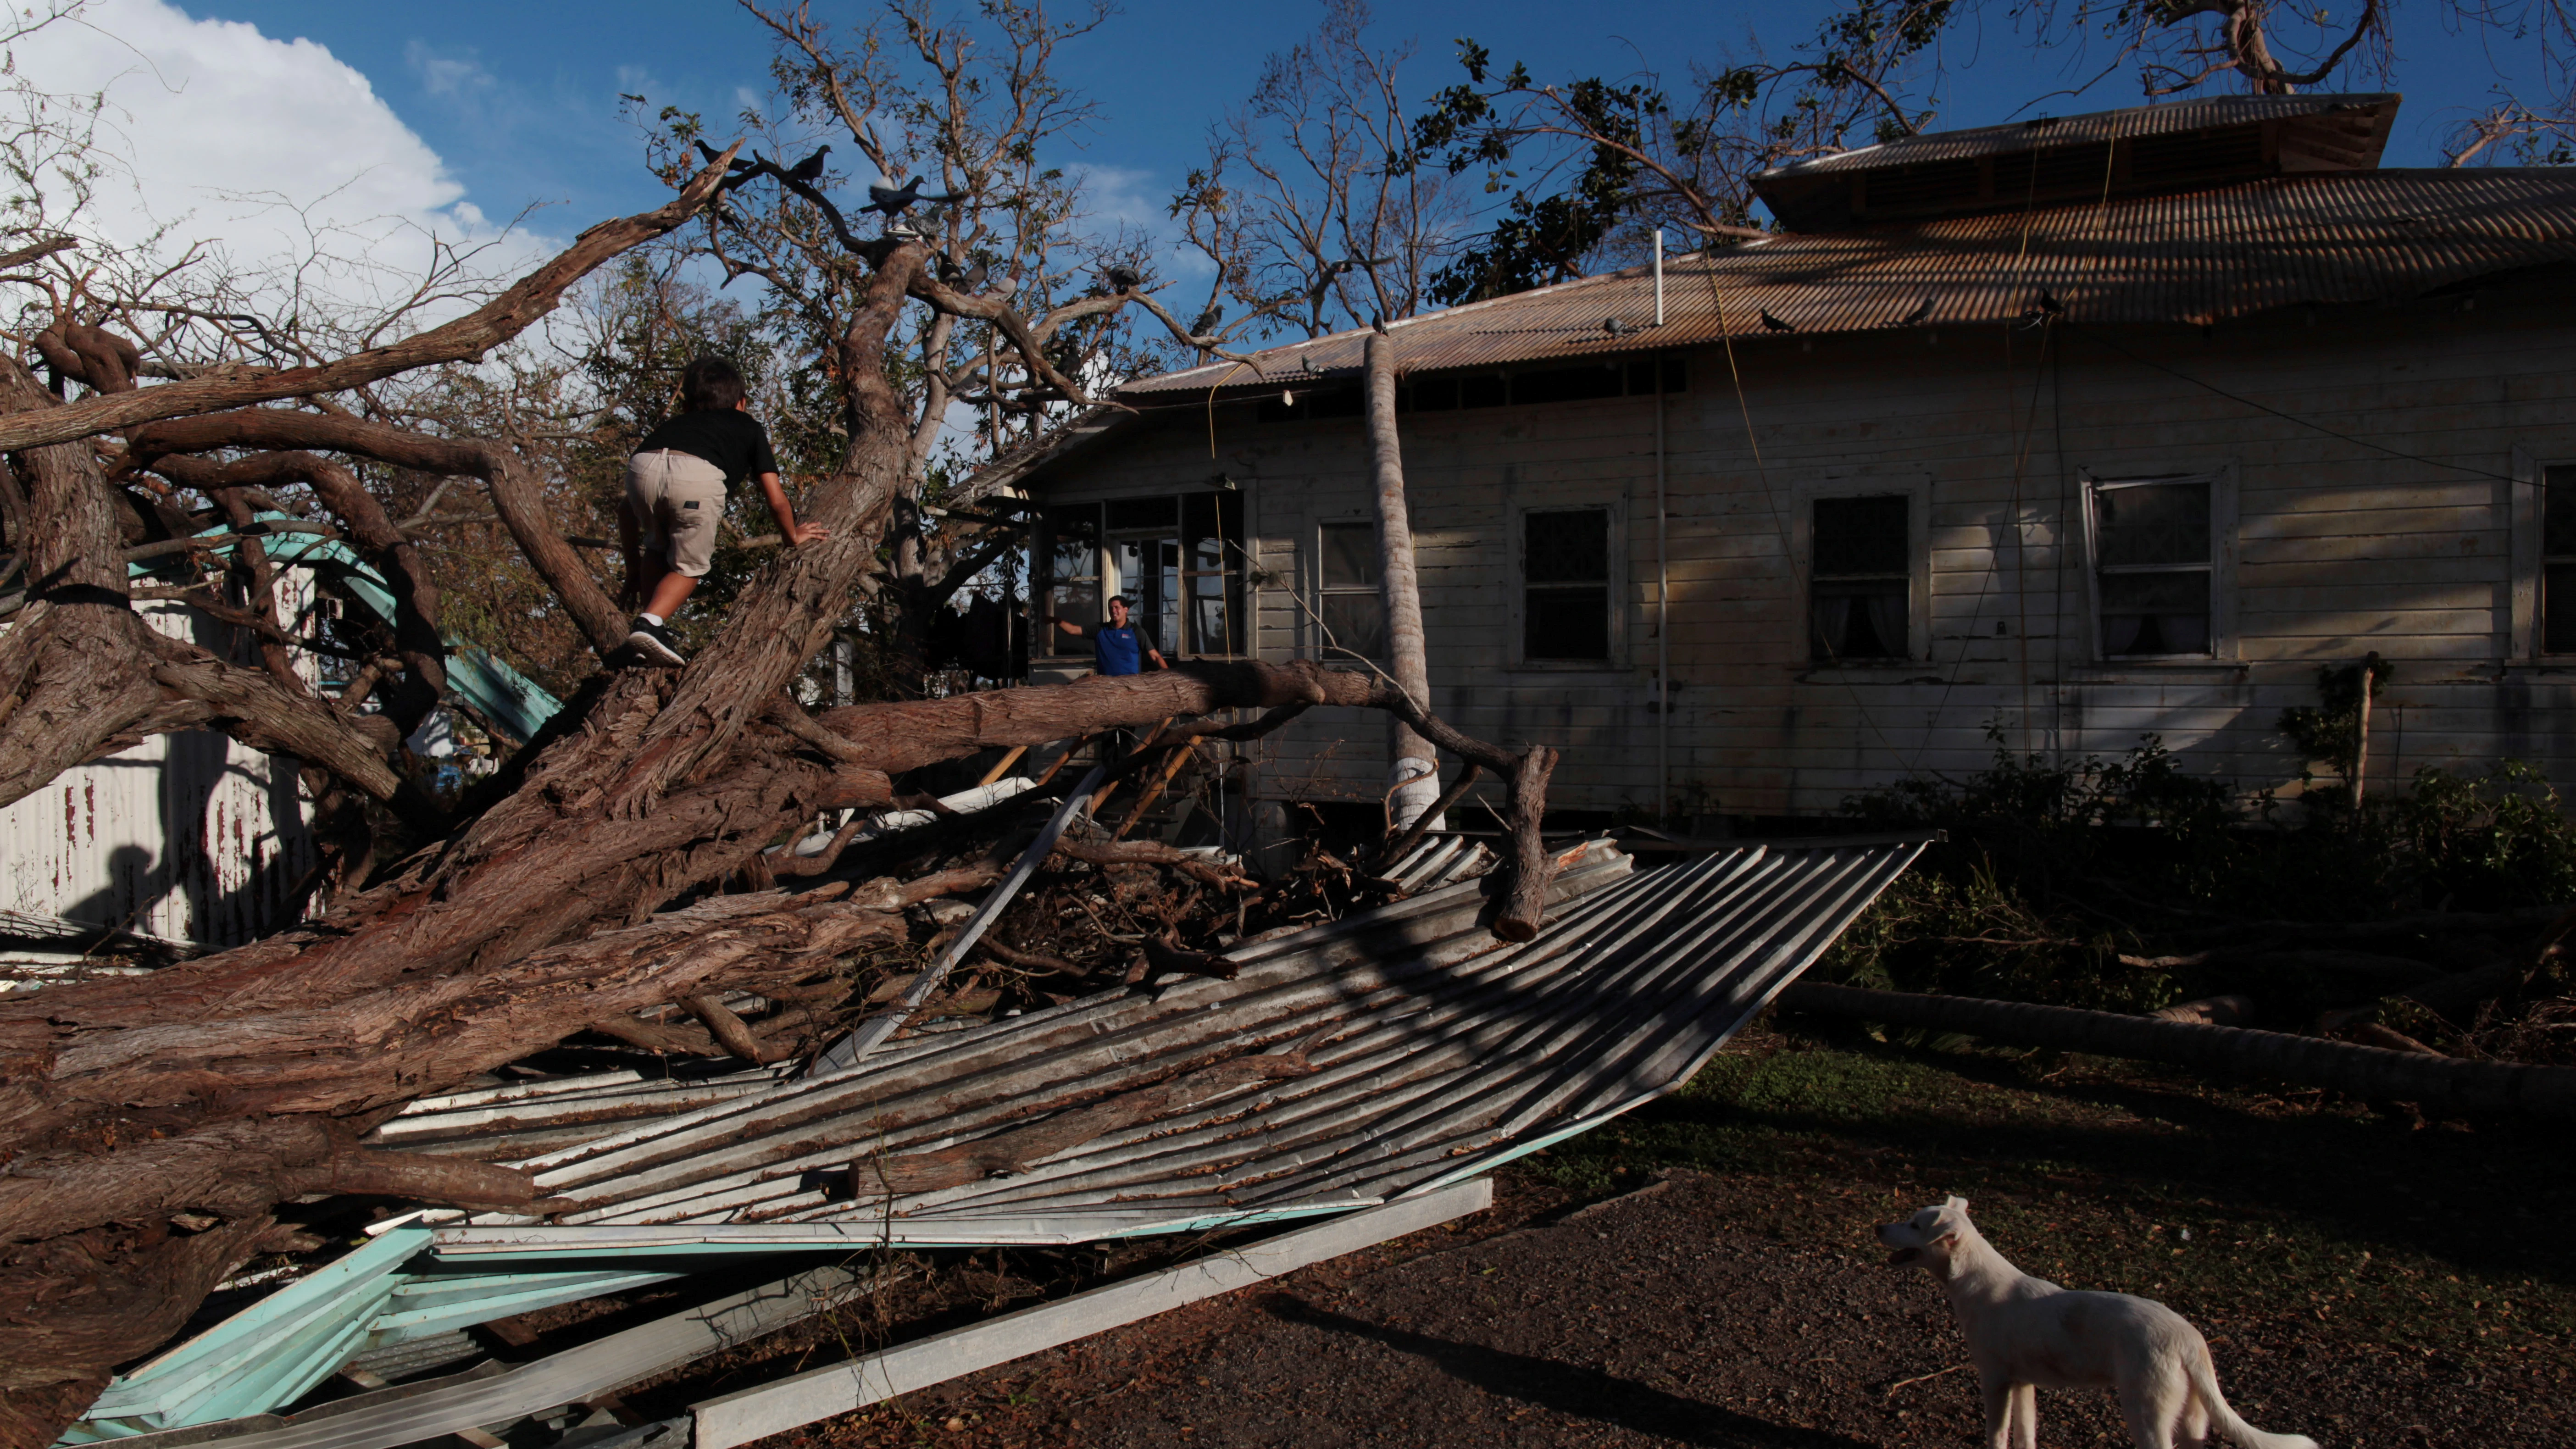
(1434,1053)
(2046,132)
(2196,258)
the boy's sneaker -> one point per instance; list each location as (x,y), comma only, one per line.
(656,641)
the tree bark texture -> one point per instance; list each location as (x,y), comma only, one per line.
(1409,755)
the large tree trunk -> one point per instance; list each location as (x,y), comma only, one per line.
(1412,768)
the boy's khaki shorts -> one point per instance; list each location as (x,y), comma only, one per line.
(677,499)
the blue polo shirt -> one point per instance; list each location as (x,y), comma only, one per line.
(1118,651)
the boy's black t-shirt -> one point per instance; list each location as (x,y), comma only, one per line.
(731,439)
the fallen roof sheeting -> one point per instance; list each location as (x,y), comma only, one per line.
(1435,1054)
(1398,1051)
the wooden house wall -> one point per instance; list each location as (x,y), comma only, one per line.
(2386,520)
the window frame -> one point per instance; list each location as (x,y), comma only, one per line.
(1917,491)
(1054,649)
(2527,638)
(1311,628)
(2221,567)
(1516,580)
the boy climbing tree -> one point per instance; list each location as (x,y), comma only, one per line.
(676,487)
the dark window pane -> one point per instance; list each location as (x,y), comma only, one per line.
(1641,377)
(1144,513)
(2155,613)
(2153,523)
(1214,615)
(1350,556)
(1564,623)
(1566,547)
(1355,622)
(2558,511)
(1567,384)
(1860,620)
(1212,529)
(1433,395)
(1861,536)
(2558,609)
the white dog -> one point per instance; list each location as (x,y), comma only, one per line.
(2026,1333)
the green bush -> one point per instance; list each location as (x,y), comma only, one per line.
(2053,872)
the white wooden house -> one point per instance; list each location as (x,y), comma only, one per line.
(2072,432)
(192,839)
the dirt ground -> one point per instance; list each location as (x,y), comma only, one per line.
(2365,1278)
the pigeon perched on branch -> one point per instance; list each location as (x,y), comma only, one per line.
(1121,278)
(810,169)
(712,154)
(1207,321)
(893,200)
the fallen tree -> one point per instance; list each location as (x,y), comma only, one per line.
(150,1126)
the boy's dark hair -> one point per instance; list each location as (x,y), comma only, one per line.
(711,385)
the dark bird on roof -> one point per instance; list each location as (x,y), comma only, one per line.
(892,200)
(811,168)
(1378,321)
(1918,314)
(2049,303)
(1613,326)
(1774,324)
(1122,278)
(1207,321)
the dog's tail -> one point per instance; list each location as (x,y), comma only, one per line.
(2204,1385)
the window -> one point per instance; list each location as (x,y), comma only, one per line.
(1069,569)
(1178,559)
(1860,582)
(2558,559)
(1347,566)
(2153,577)
(1565,579)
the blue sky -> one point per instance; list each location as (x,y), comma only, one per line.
(520,100)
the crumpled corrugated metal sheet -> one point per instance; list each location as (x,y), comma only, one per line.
(1437,1053)
(2050,132)
(2196,258)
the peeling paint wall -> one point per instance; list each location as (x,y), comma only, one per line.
(188,837)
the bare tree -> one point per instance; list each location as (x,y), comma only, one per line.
(150,1127)
(1312,212)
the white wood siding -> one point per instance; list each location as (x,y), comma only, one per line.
(2398,536)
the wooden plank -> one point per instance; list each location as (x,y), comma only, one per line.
(772,1408)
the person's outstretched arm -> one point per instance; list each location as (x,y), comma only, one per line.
(785,512)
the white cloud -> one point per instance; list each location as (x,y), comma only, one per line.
(447,75)
(270,150)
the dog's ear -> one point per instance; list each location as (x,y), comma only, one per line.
(1956,1203)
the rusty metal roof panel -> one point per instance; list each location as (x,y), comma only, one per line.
(2051,132)
(2196,258)
(1425,1051)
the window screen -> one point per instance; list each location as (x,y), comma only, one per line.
(1346,579)
(2151,550)
(1860,587)
(1565,577)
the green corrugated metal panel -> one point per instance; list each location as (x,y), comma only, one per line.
(502,694)
(275,1351)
